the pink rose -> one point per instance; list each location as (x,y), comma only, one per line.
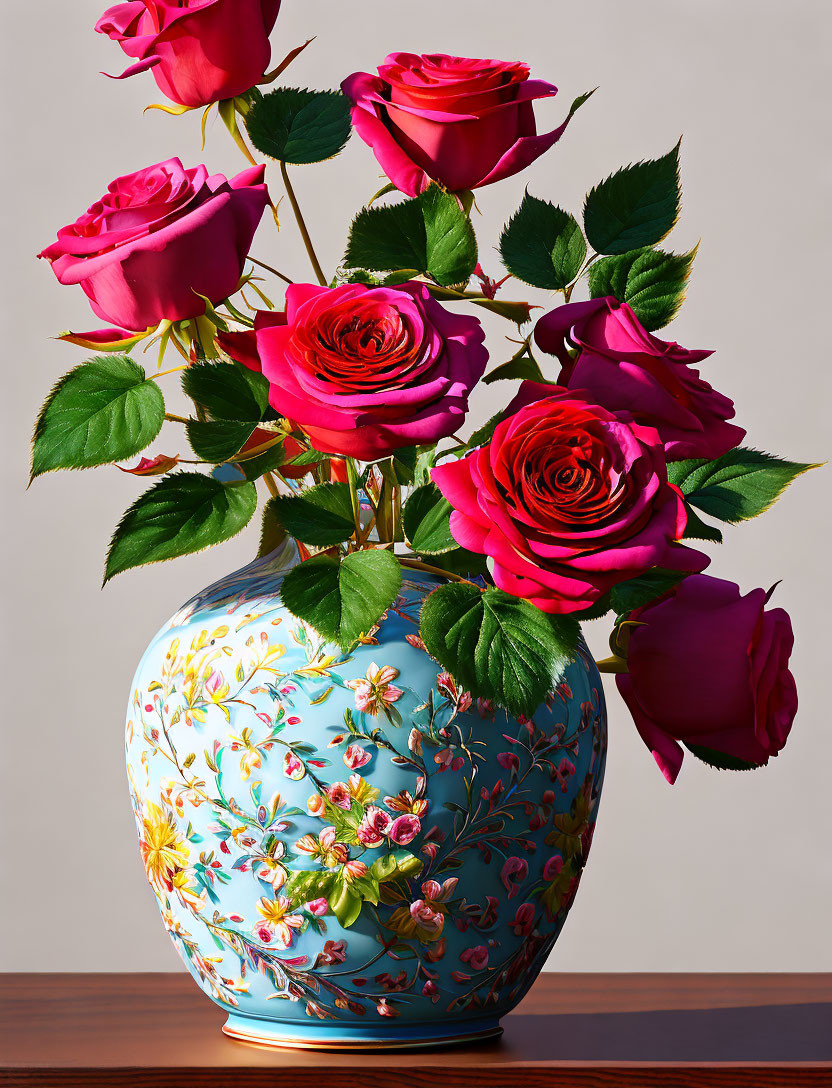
(523,920)
(552,867)
(365,371)
(338,793)
(374,827)
(158,239)
(404,829)
(293,767)
(200,51)
(568,499)
(318,907)
(709,668)
(462,122)
(426,917)
(624,367)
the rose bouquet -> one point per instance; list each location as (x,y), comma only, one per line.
(590,494)
(416,606)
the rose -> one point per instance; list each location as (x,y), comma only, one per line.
(338,793)
(426,917)
(404,829)
(624,367)
(514,872)
(461,122)
(365,371)
(200,51)
(374,827)
(523,920)
(708,667)
(158,239)
(568,499)
(355,756)
(476,957)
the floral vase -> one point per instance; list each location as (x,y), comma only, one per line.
(346,849)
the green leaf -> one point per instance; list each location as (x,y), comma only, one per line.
(398,863)
(343,600)
(520,368)
(272,533)
(483,435)
(405,461)
(300,126)
(635,207)
(227,390)
(181,514)
(720,760)
(697,529)
(640,591)
(101,411)
(272,458)
(309,457)
(430,235)
(345,904)
(497,646)
(543,245)
(217,440)
(451,244)
(737,486)
(321,516)
(426,516)
(461,561)
(651,281)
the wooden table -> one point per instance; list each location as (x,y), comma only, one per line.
(593,1031)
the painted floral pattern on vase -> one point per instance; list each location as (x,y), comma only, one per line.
(348,840)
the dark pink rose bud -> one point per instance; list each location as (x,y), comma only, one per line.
(462,122)
(624,367)
(158,239)
(708,668)
(199,51)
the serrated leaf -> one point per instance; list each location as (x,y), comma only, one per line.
(343,600)
(524,368)
(272,533)
(720,760)
(697,529)
(321,516)
(428,235)
(737,486)
(640,591)
(497,646)
(542,245)
(426,519)
(405,461)
(461,561)
(101,411)
(300,126)
(227,390)
(181,514)
(482,435)
(217,440)
(651,281)
(635,207)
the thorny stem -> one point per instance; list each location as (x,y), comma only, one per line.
(417,564)
(304,233)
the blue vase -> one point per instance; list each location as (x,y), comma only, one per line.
(346,849)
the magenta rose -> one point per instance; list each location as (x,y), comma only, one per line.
(568,499)
(709,668)
(404,829)
(365,371)
(158,239)
(200,51)
(464,123)
(625,367)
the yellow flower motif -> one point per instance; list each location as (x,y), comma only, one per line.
(278,922)
(361,789)
(324,848)
(163,849)
(251,757)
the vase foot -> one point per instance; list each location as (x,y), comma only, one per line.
(329,1036)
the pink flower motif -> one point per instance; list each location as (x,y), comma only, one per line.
(374,827)
(414,742)
(293,767)
(514,873)
(509,761)
(439,893)
(356,756)
(263,933)
(431,990)
(318,907)
(404,829)
(523,920)
(332,953)
(465,702)
(485,708)
(426,917)
(416,642)
(552,867)
(339,794)
(354,870)
(376,690)
(384,1009)
(328,837)
(477,957)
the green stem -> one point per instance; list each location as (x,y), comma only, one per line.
(304,233)
(268,268)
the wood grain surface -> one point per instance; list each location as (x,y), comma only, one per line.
(592,1030)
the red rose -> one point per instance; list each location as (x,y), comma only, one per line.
(157,240)
(200,51)
(568,499)
(461,122)
(365,371)
(625,367)
(709,667)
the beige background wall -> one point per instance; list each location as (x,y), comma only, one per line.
(720,873)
